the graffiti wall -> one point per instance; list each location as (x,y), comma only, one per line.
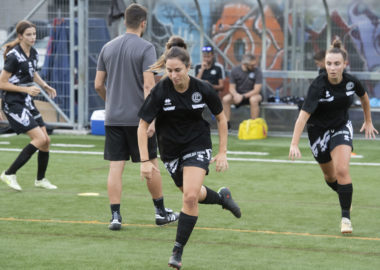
(235,27)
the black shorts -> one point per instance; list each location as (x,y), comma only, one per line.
(199,159)
(121,144)
(323,141)
(21,118)
(245,101)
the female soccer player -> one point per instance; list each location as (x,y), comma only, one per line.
(184,141)
(325,111)
(16,81)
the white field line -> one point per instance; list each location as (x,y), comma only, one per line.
(8,135)
(248,153)
(73,145)
(5,143)
(230,158)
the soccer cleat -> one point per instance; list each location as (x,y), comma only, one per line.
(115,224)
(345,226)
(11,181)
(175,261)
(44,183)
(166,219)
(228,203)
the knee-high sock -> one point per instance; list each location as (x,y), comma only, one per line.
(212,197)
(333,185)
(22,158)
(345,198)
(186,225)
(43,160)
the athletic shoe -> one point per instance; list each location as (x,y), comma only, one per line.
(115,224)
(228,203)
(44,183)
(345,225)
(166,219)
(175,261)
(11,181)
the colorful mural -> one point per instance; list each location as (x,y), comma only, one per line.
(236,28)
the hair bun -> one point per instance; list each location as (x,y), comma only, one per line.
(337,44)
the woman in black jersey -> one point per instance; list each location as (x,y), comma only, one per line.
(16,81)
(325,111)
(184,141)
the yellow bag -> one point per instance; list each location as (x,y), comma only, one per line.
(253,129)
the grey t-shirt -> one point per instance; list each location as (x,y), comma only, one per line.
(124,59)
(245,80)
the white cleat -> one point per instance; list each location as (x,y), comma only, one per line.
(11,181)
(345,226)
(44,183)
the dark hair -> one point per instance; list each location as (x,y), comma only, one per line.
(20,29)
(174,41)
(337,47)
(180,53)
(248,58)
(320,55)
(134,15)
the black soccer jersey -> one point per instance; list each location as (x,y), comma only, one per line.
(22,69)
(180,126)
(213,74)
(328,104)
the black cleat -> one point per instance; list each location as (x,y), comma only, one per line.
(115,224)
(228,203)
(175,261)
(166,219)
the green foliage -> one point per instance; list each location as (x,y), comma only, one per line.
(290,218)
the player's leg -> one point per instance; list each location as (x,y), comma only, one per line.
(254,102)
(227,102)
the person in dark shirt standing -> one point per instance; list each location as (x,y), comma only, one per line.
(209,70)
(123,81)
(330,132)
(17,82)
(177,103)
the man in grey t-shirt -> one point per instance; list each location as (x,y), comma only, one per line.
(123,81)
(245,87)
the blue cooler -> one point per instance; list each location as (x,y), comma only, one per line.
(97,122)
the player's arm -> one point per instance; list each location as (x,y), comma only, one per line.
(146,167)
(367,126)
(221,157)
(294,151)
(50,90)
(7,86)
(219,86)
(100,80)
(149,82)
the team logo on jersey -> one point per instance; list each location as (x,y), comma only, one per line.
(168,105)
(251,75)
(349,86)
(196,97)
(213,72)
(328,97)
(167,102)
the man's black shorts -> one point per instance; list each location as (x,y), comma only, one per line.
(199,159)
(121,144)
(323,141)
(22,119)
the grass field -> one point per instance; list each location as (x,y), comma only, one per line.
(290,218)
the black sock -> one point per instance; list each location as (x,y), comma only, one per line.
(228,125)
(345,199)
(212,197)
(186,225)
(43,160)
(115,208)
(159,205)
(333,185)
(22,158)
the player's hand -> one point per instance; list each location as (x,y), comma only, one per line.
(294,152)
(147,169)
(50,90)
(369,130)
(33,90)
(221,163)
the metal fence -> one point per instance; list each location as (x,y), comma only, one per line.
(283,34)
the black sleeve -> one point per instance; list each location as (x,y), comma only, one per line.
(196,69)
(212,99)
(11,63)
(312,98)
(359,88)
(151,107)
